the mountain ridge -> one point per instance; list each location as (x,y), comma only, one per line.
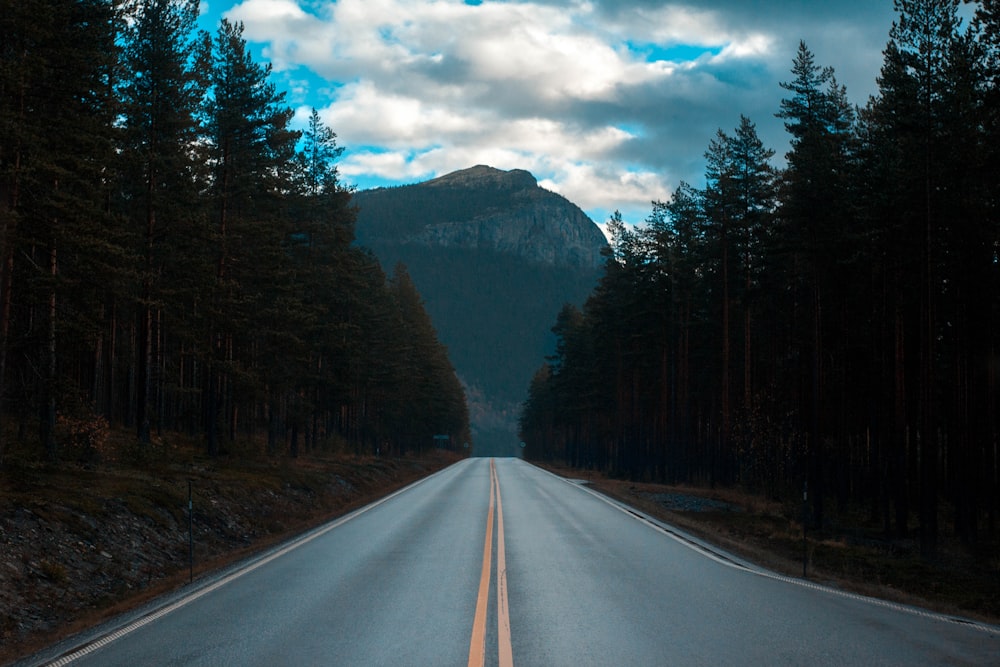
(482,175)
(509,213)
(494,257)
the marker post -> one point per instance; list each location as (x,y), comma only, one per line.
(805,515)
(190,535)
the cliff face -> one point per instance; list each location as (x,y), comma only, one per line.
(494,257)
(548,232)
(483,208)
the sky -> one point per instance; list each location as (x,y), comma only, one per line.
(610,103)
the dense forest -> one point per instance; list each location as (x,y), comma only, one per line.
(175,257)
(833,325)
(489,294)
(492,311)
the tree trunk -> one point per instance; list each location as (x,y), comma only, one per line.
(47,422)
(816,436)
(900,437)
(6,289)
(723,443)
(929,446)
(145,352)
(210,407)
(8,224)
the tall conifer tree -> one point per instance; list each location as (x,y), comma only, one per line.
(161,97)
(251,150)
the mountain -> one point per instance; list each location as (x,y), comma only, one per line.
(494,257)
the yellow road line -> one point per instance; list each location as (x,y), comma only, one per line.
(477,645)
(503,614)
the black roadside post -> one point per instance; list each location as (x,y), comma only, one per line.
(190,535)
(805,515)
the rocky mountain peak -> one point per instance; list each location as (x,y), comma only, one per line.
(482,209)
(484,177)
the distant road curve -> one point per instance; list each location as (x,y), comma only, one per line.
(497,562)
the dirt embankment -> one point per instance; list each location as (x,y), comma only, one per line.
(79,544)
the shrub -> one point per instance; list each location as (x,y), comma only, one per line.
(84,437)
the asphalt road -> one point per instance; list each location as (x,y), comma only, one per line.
(500,563)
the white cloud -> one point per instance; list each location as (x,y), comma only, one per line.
(592,189)
(750,46)
(421,87)
(369,115)
(264,11)
(671,24)
(392,165)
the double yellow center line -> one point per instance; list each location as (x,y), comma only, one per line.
(477,645)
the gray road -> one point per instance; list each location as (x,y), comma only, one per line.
(585,583)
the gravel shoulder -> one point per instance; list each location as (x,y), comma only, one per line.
(850,554)
(82,544)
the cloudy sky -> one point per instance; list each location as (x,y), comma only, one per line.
(608,102)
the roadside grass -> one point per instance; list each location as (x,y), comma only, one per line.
(850,553)
(85,540)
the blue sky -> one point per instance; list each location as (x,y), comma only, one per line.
(609,103)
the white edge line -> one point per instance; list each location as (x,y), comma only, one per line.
(103,641)
(667,530)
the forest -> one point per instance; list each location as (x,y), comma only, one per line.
(828,329)
(175,257)
(489,295)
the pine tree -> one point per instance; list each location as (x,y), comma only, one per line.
(162,95)
(912,90)
(430,399)
(674,231)
(739,202)
(988,22)
(815,232)
(57,74)
(252,151)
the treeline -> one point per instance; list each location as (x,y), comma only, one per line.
(175,257)
(834,323)
(492,309)
(388,211)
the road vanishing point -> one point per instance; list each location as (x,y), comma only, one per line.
(498,562)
